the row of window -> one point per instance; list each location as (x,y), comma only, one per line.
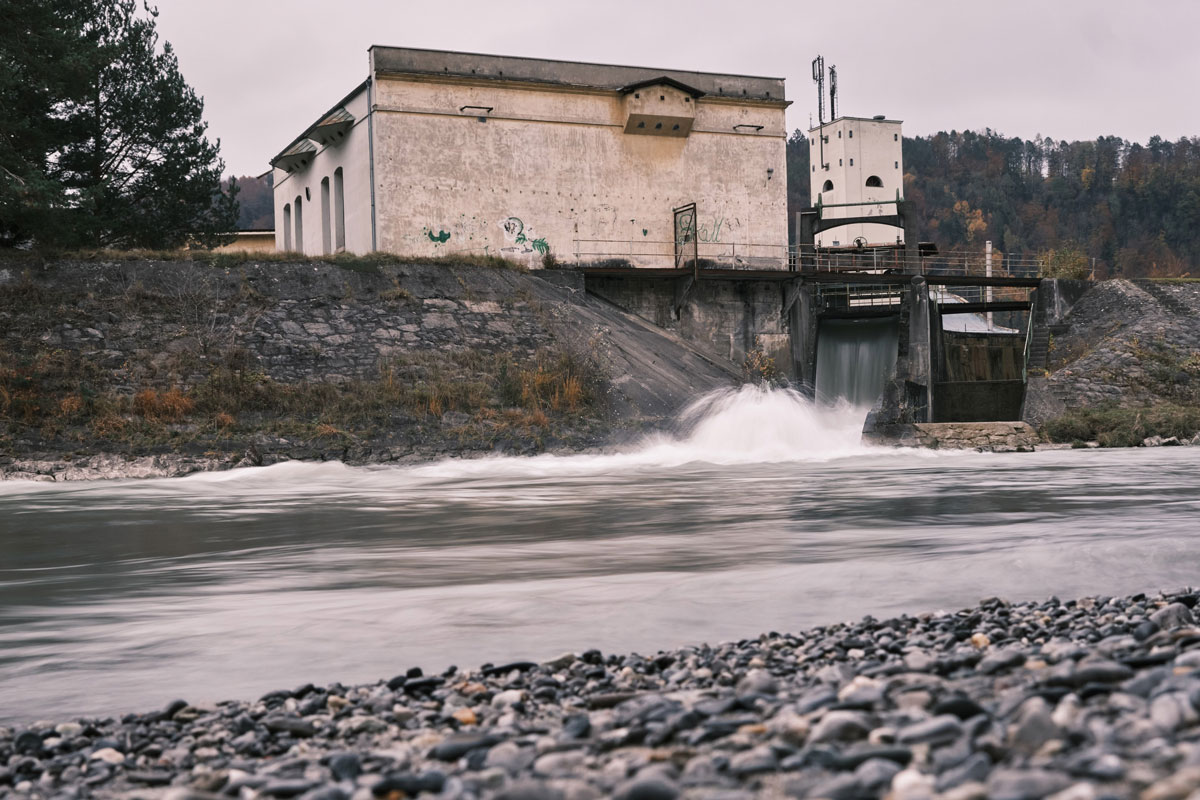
(873,182)
(333,220)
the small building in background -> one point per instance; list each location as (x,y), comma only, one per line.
(262,241)
(857,173)
(443,153)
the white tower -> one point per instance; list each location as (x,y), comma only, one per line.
(857,172)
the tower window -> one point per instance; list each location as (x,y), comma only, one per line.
(851,134)
(897,165)
(839,162)
(839,134)
(875,182)
(852,162)
(828,187)
(895,137)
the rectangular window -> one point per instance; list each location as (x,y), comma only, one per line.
(326,226)
(299,224)
(839,162)
(852,162)
(895,137)
(897,165)
(339,212)
(851,134)
(287,227)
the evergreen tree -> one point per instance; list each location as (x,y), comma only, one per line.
(112,150)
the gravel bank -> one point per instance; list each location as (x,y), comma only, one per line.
(1093,698)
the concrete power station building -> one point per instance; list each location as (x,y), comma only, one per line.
(857,174)
(440,153)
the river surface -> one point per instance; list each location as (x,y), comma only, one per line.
(762,514)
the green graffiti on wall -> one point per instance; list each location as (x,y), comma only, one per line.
(441,238)
(514,229)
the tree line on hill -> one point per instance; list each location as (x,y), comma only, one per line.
(1134,208)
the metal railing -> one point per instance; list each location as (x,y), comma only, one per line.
(845,296)
(806,258)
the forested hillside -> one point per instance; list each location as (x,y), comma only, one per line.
(256,202)
(1135,208)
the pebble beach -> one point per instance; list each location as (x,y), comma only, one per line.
(1070,699)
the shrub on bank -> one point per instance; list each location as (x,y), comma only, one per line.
(1123,427)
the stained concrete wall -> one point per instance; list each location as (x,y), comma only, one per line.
(725,318)
(978,401)
(552,169)
(971,356)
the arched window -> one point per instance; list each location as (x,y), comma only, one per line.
(326,227)
(287,227)
(828,187)
(299,204)
(875,182)
(339,212)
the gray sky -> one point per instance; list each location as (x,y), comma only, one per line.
(1070,69)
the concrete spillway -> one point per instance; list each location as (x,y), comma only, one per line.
(855,359)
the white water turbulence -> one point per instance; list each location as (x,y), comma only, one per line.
(758,425)
(855,358)
(747,425)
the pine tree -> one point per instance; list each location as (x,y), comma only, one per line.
(113,151)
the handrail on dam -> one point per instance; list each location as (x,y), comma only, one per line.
(703,257)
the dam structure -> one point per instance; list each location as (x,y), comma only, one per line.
(674,208)
(883,339)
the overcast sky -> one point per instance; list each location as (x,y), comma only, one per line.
(1070,69)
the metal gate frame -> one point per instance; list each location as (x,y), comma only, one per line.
(685,234)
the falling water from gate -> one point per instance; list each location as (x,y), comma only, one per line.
(855,357)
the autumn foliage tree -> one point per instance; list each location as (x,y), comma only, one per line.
(111,149)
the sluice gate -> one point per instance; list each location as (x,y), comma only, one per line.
(872,338)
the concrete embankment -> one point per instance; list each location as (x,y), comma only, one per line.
(162,368)
(1129,346)
(1091,698)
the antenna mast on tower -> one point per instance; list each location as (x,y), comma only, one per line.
(832,93)
(818,69)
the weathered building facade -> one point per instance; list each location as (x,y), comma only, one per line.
(857,173)
(441,153)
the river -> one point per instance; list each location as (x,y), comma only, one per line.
(762,513)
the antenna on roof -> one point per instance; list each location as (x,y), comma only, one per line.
(818,69)
(833,93)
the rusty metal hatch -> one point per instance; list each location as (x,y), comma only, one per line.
(687,245)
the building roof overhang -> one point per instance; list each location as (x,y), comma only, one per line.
(332,126)
(299,155)
(664,80)
(879,120)
(309,132)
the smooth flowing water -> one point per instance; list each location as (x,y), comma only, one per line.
(855,358)
(764,513)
